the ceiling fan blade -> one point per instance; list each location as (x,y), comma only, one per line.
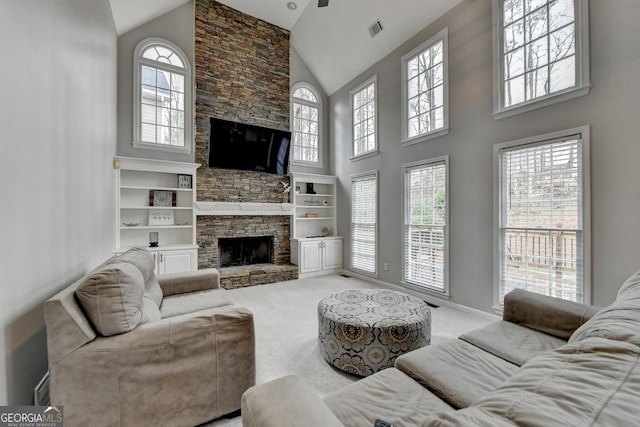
(323,3)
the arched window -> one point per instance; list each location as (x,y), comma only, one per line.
(306,125)
(162,105)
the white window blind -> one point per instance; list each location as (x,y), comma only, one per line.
(364,218)
(425,223)
(542,218)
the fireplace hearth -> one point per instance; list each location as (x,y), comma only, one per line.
(238,251)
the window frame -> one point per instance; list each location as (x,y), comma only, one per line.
(318,105)
(443,293)
(138,62)
(372,80)
(442,35)
(582,85)
(360,177)
(584,136)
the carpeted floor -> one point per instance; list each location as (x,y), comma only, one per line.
(286,331)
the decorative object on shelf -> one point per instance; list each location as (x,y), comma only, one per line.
(324,232)
(285,192)
(325,202)
(161,217)
(311,215)
(153,239)
(184,181)
(131,224)
(183,223)
(310,189)
(297,189)
(312,202)
(161,198)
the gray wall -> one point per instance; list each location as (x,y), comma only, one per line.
(177,26)
(58,121)
(299,72)
(611,109)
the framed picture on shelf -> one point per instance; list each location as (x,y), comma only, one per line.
(161,198)
(161,217)
(184,181)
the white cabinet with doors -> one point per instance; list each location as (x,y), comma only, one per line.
(319,256)
(315,246)
(175,261)
(156,198)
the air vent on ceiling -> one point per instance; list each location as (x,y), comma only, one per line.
(375,28)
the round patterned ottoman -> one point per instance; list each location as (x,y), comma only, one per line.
(363,331)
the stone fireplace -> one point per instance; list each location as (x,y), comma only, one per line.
(236,251)
(212,229)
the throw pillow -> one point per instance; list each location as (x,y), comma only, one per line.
(111,298)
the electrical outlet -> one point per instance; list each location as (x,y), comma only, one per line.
(385,266)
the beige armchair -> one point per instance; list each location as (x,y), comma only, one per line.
(127,349)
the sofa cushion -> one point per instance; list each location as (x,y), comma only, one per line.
(143,260)
(511,342)
(390,395)
(150,311)
(591,382)
(111,297)
(176,305)
(620,321)
(153,291)
(457,372)
(139,257)
(553,316)
(631,286)
(468,417)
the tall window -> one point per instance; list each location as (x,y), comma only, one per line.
(425,107)
(364,122)
(163,102)
(306,108)
(364,222)
(426,235)
(542,51)
(543,222)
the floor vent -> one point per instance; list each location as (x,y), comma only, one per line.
(375,28)
(344,275)
(41,392)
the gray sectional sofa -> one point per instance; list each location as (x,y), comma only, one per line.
(549,362)
(127,348)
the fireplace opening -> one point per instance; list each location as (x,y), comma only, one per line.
(245,251)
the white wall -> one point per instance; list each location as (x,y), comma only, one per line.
(177,26)
(58,124)
(612,109)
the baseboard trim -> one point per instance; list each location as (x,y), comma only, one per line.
(431,299)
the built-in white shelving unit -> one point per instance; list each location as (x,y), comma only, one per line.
(315,246)
(136,182)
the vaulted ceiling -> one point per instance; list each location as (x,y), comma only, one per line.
(334,41)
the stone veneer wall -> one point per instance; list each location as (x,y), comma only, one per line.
(211,228)
(241,74)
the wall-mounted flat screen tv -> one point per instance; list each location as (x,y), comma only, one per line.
(234,145)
